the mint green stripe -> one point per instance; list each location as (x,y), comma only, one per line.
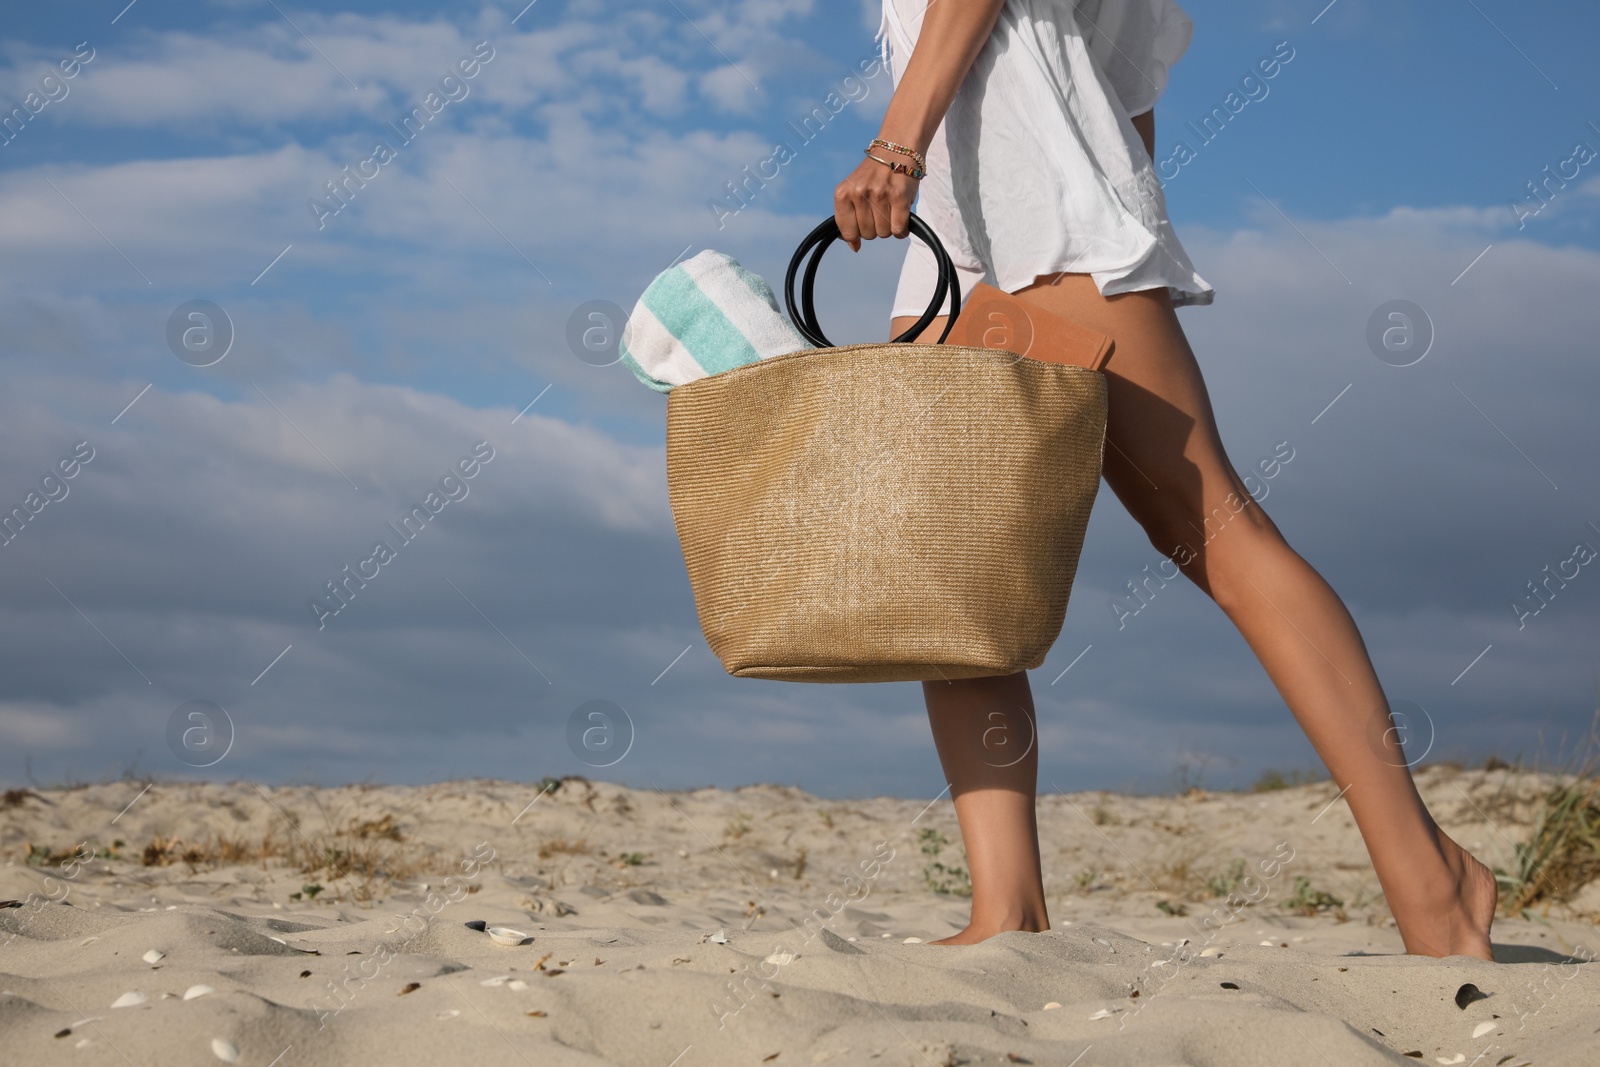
(698,324)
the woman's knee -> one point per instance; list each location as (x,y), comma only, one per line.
(1208,545)
(1236,513)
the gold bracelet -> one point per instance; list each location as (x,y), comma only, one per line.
(899,168)
(912,152)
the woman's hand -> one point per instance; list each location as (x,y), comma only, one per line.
(874,201)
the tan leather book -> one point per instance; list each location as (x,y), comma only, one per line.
(993,318)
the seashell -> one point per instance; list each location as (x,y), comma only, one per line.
(912,941)
(1211,951)
(130,1000)
(448,1014)
(517,984)
(197,991)
(224,1050)
(87,941)
(1052,1004)
(155,955)
(781,958)
(1103,1013)
(721,938)
(477,924)
(1460,1057)
(504,935)
(1483,1028)
(499,980)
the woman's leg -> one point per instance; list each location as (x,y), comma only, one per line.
(1166,464)
(985,731)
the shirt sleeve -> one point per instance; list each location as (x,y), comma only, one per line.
(1135,43)
(1174,30)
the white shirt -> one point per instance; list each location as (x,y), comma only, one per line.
(1036,166)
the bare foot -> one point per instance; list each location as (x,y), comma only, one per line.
(975,933)
(1457,921)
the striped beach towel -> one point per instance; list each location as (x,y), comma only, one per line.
(702,316)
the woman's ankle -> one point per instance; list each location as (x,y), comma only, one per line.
(1029,917)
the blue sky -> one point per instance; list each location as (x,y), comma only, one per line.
(371,352)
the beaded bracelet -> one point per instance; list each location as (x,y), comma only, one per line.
(899,168)
(916,156)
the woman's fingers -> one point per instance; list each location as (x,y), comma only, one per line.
(844,214)
(900,213)
(873,202)
(869,213)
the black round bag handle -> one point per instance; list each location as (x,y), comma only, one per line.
(827,231)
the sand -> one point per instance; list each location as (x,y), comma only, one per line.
(748,926)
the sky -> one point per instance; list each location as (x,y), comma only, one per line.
(171,159)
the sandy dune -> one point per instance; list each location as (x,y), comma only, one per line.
(330,926)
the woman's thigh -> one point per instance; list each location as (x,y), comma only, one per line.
(1164,458)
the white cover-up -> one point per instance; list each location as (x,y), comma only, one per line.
(1036,167)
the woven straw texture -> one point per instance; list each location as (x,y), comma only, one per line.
(884,512)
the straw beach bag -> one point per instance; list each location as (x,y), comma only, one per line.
(879,512)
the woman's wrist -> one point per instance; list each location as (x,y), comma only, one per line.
(910,134)
(901,151)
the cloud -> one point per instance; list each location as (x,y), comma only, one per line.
(266,75)
(36,726)
(730,89)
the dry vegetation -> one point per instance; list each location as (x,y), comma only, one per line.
(1562,854)
(355,853)
(1559,852)
(560,844)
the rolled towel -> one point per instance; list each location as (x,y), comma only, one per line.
(703,316)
